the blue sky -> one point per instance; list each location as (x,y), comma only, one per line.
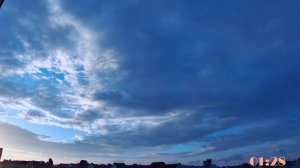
(141,81)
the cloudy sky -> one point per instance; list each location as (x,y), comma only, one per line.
(140,80)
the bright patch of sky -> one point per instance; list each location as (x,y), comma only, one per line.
(49,132)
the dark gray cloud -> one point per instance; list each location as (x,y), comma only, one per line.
(180,130)
(257,135)
(241,57)
(200,57)
(34,114)
(90,115)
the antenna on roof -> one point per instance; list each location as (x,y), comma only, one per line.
(1,2)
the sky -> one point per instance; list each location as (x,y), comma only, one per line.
(139,81)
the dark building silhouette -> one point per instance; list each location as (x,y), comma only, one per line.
(157,164)
(207,163)
(83,164)
(161,165)
(23,164)
(50,162)
(295,163)
(119,165)
(62,165)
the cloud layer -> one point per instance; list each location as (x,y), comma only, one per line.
(144,80)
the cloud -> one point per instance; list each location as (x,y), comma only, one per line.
(16,138)
(174,59)
(89,115)
(33,113)
(181,129)
(28,145)
(257,135)
(144,74)
(196,67)
(20,46)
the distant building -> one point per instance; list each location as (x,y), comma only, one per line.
(157,165)
(186,166)
(293,164)
(163,165)
(207,163)
(119,165)
(83,164)
(62,165)
(23,164)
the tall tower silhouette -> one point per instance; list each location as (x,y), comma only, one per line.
(1,149)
